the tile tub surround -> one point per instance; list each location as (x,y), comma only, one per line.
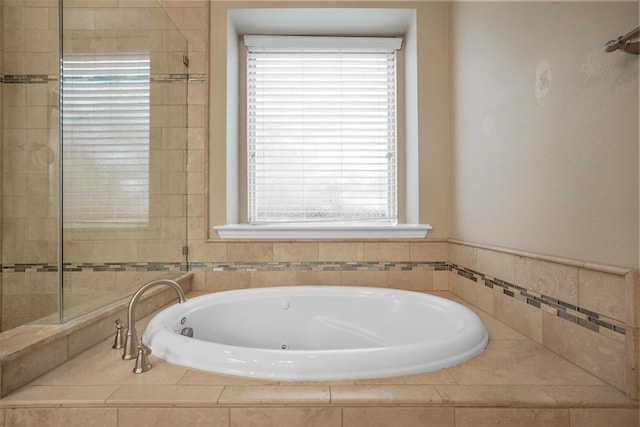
(574,310)
(29,351)
(516,381)
(587,313)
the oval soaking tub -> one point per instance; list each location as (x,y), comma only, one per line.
(308,333)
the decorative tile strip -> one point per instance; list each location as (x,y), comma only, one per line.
(46,78)
(177,77)
(97,267)
(570,312)
(320,266)
(29,78)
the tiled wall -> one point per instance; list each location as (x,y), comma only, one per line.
(584,312)
(29,175)
(192,18)
(30,148)
(417,266)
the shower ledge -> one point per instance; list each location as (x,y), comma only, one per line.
(61,342)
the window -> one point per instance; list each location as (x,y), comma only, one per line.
(105,125)
(321,129)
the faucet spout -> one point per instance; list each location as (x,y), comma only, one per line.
(131,338)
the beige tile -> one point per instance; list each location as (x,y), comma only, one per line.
(519,315)
(307,417)
(295,252)
(428,251)
(226,280)
(91,335)
(602,356)
(441,376)
(194,18)
(117,19)
(318,278)
(341,251)
(386,251)
(520,362)
(101,365)
(329,383)
(395,417)
(20,371)
(633,298)
(490,395)
(551,279)
(250,252)
(41,417)
(272,278)
(526,417)
(496,264)
(474,293)
(440,280)
(602,395)
(170,417)
(38,395)
(193,377)
(384,394)
(274,395)
(498,330)
(632,342)
(140,395)
(610,417)
(412,280)
(364,278)
(603,293)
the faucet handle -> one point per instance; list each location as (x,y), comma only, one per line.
(118,342)
(142,361)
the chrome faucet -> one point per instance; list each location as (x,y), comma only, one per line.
(131,339)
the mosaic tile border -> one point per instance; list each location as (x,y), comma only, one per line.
(321,266)
(97,267)
(29,78)
(46,78)
(570,312)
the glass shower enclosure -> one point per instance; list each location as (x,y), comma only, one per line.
(94,149)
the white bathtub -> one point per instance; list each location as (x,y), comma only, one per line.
(307,333)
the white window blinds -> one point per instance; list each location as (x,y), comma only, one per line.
(105,125)
(321,129)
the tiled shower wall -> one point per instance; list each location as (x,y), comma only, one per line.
(101,263)
(29,175)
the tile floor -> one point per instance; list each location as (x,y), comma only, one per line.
(515,382)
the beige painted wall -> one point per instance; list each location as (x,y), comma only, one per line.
(544,148)
(431,194)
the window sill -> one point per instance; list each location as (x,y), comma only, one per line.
(311,231)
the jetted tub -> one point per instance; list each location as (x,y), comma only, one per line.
(307,333)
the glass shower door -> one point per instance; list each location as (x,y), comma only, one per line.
(123,152)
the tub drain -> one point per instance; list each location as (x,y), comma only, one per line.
(283,346)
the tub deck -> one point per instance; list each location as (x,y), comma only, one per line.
(515,382)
